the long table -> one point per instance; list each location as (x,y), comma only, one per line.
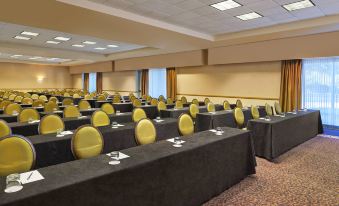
(175,113)
(153,175)
(275,137)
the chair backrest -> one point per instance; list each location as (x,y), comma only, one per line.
(169,100)
(17,155)
(161,106)
(27,95)
(108,108)
(255,112)
(138,114)
(101,97)
(5,130)
(71,111)
(11,97)
(50,107)
(35,96)
(38,103)
(27,114)
(50,124)
(67,101)
(210,107)
(154,102)
(239,117)
(87,142)
(277,108)
(4,104)
(27,100)
(12,108)
(227,105)
(88,97)
(100,119)
(207,100)
(184,100)
(161,98)
(195,101)
(268,109)
(116,99)
(136,103)
(179,104)
(194,110)
(239,104)
(83,104)
(76,95)
(53,99)
(185,125)
(43,97)
(66,94)
(18,99)
(145,132)
(148,98)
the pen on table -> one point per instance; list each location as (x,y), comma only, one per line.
(30,175)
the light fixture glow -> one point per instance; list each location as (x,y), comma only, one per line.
(52,42)
(61,38)
(100,48)
(89,42)
(112,45)
(298,5)
(34,58)
(28,33)
(78,45)
(16,55)
(22,38)
(249,16)
(225,5)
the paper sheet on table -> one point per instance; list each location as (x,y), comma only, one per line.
(34,121)
(213,130)
(211,112)
(119,113)
(30,176)
(172,140)
(81,117)
(121,156)
(66,132)
(159,120)
(120,125)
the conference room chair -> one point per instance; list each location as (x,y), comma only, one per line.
(144,96)
(11,97)
(76,95)
(268,109)
(195,101)
(238,104)
(67,101)
(145,132)
(210,107)
(154,102)
(277,108)
(66,94)
(194,110)
(138,114)
(18,99)
(161,98)
(239,117)
(71,111)
(83,104)
(87,142)
(179,104)
(4,104)
(255,112)
(88,97)
(169,100)
(161,106)
(50,107)
(38,103)
(100,119)
(5,130)
(43,97)
(27,95)
(108,108)
(132,98)
(101,97)
(116,99)
(207,100)
(35,96)
(51,124)
(136,103)
(227,105)
(185,125)
(148,98)
(53,99)
(27,100)
(12,109)
(184,100)
(28,114)
(17,155)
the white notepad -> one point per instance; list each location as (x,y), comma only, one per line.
(213,130)
(172,140)
(34,121)
(31,176)
(81,117)
(159,120)
(66,132)
(121,156)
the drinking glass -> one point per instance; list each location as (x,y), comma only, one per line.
(219,131)
(115,158)
(13,183)
(114,125)
(177,142)
(59,133)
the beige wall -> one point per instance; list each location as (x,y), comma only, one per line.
(77,81)
(96,67)
(260,80)
(28,76)
(124,82)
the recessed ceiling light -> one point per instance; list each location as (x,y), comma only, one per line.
(16,55)
(33,58)
(22,38)
(89,42)
(28,33)
(53,59)
(78,45)
(249,16)
(298,5)
(52,42)
(112,45)
(100,48)
(225,5)
(61,38)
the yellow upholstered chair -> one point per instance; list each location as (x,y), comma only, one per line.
(18,99)
(88,97)
(108,108)
(255,112)
(17,155)
(169,100)
(99,119)
(83,104)
(136,103)
(4,104)
(195,101)
(101,97)
(194,110)
(71,111)
(53,99)
(12,108)
(210,107)
(268,109)
(66,94)
(87,142)
(35,96)
(27,114)
(38,103)
(5,130)
(116,99)
(161,106)
(138,114)
(184,100)
(67,101)
(76,95)
(227,105)
(132,98)
(178,104)
(161,98)
(51,124)
(154,102)
(239,104)
(207,100)
(148,98)
(277,108)
(11,97)
(185,125)
(43,97)
(50,107)
(27,95)
(239,117)
(145,132)
(27,100)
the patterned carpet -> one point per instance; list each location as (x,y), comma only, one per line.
(306,175)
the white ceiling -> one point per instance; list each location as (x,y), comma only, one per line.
(199,16)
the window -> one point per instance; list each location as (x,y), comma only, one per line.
(157,82)
(92,83)
(320,88)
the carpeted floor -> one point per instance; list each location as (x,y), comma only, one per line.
(305,175)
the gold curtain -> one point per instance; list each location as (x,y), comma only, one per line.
(171,82)
(290,88)
(86,81)
(99,82)
(144,82)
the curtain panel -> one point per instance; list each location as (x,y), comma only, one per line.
(171,82)
(86,82)
(99,82)
(144,82)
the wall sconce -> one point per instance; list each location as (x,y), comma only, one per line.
(40,79)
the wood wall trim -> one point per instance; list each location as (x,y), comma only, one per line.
(235,97)
(112,90)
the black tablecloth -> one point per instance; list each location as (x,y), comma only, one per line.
(151,111)
(275,137)
(98,104)
(85,112)
(175,113)
(27,129)
(155,174)
(123,107)
(51,150)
